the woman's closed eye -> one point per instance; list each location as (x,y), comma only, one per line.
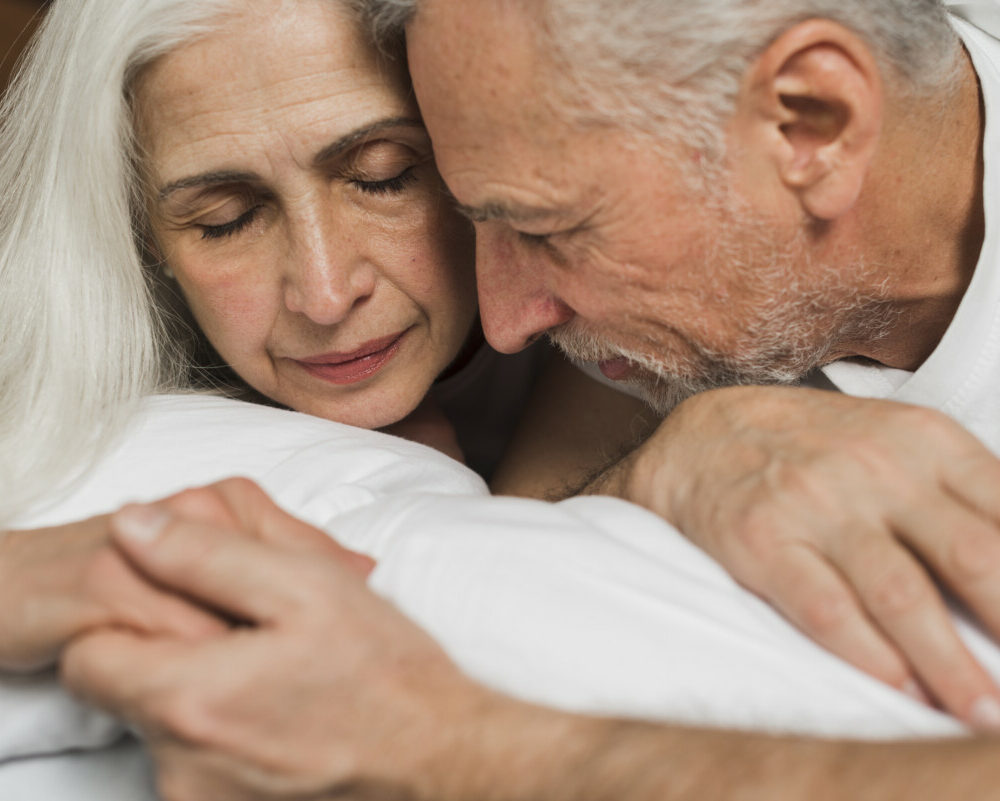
(387,186)
(232,227)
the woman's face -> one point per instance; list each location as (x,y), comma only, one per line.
(295,199)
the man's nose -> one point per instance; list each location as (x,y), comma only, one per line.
(515,303)
(327,275)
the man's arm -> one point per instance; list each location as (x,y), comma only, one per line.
(327,691)
(834,509)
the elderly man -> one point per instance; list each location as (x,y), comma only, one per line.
(689,196)
(739,194)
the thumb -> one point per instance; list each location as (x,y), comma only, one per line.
(251,580)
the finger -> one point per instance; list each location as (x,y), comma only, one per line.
(963,550)
(119,671)
(973,476)
(901,598)
(128,599)
(254,510)
(815,597)
(251,580)
(241,504)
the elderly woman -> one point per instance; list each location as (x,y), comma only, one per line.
(254,167)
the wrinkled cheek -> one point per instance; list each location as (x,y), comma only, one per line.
(237,316)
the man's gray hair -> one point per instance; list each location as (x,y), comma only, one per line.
(674,67)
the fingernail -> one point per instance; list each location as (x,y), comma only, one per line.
(140,523)
(985,713)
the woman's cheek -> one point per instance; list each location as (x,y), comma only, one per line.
(234,308)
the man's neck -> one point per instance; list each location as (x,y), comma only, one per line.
(921,219)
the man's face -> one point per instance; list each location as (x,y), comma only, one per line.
(591,234)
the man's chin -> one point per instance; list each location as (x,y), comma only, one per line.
(663,391)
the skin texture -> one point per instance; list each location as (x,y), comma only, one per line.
(386,715)
(61,582)
(285,249)
(570,216)
(328,254)
(594,234)
(83,584)
(335,252)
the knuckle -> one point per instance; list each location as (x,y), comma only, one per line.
(899,593)
(794,477)
(825,613)
(808,485)
(973,556)
(975,466)
(239,487)
(757,533)
(181,713)
(197,502)
(931,423)
(751,540)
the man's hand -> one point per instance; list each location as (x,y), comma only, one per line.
(328,692)
(324,687)
(834,509)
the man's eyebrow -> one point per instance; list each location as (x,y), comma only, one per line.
(332,150)
(507,212)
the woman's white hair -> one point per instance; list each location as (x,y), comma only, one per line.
(674,67)
(82,338)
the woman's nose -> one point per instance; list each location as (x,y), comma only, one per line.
(326,277)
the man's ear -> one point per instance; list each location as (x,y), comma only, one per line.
(812,107)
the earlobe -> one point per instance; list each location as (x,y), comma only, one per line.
(816,98)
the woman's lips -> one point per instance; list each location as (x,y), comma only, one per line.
(350,368)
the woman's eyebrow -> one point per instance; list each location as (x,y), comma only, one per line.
(208,179)
(348,140)
(332,150)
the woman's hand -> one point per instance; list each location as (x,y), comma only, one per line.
(58,583)
(837,510)
(55,584)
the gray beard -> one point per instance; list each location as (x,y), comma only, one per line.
(791,329)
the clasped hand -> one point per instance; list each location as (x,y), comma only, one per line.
(291,686)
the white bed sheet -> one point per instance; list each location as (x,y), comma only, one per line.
(592,604)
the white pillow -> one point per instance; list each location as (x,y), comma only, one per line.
(315,467)
(592,604)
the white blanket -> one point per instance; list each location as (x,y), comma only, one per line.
(592,604)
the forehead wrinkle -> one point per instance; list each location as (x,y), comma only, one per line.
(247,133)
(249,107)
